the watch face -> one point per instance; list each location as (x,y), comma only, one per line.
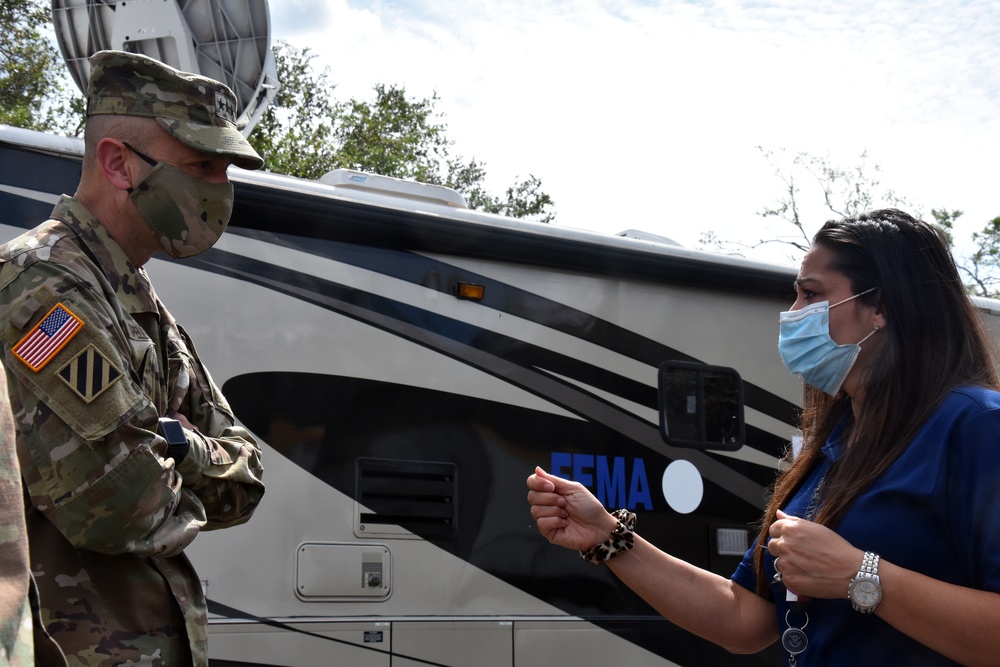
(866,592)
(172,431)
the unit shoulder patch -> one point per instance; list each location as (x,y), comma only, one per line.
(89,373)
(40,345)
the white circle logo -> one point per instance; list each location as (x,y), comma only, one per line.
(683,487)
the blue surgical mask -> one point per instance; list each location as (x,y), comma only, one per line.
(808,350)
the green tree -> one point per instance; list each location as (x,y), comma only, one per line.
(945,221)
(392,136)
(842,191)
(982,265)
(33,89)
(307,133)
(295,132)
(525,199)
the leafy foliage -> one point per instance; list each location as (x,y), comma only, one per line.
(295,133)
(307,133)
(524,199)
(392,136)
(851,191)
(33,89)
(982,265)
(843,191)
(945,221)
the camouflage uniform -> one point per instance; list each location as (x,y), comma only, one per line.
(16,643)
(110,514)
(93,360)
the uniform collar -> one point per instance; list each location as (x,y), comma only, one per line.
(130,283)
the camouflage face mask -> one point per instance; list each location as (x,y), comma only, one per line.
(188,215)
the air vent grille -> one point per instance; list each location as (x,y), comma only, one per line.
(418,496)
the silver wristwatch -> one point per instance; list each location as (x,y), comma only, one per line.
(865,589)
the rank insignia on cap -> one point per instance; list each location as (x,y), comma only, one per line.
(89,373)
(49,336)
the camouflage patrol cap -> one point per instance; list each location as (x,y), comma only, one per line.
(196,110)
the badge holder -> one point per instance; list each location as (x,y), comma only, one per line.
(794,639)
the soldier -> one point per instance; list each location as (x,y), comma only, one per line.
(127,448)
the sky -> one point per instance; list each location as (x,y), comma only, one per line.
(656,115)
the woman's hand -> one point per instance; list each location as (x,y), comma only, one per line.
(567,513)
(815,561)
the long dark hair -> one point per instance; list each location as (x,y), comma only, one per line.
(934,343)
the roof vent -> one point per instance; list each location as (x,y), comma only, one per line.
(394,187)
(647,236)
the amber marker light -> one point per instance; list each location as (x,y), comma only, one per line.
(470,292)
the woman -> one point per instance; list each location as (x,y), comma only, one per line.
(885,529)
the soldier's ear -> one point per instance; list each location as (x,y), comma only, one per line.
(113,158)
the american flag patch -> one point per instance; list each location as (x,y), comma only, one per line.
(48,337)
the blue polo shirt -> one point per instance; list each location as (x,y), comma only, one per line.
(935,510)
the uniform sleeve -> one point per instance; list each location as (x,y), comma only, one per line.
(89,464)
(15,612)
(223,466)
(225,473)
(972,485)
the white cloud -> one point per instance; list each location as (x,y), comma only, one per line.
(647,114)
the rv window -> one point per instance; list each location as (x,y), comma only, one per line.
(700,406)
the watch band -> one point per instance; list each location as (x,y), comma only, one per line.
(178,452)
(869,565)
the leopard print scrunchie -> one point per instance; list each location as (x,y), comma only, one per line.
(622,539)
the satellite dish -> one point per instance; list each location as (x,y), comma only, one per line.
(226,40)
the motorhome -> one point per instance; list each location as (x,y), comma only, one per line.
(406,362)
